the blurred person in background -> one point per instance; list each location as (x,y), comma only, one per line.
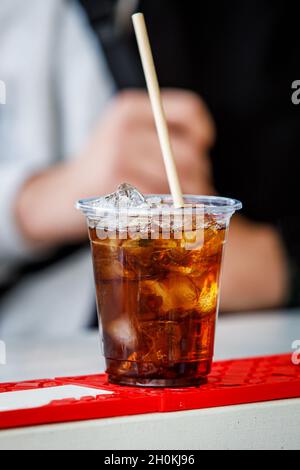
(57,101)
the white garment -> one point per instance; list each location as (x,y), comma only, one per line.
(57,85)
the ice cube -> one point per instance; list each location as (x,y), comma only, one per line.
(208,296)
(214,239)
(154,201)
(139,256)
(197,333)
(175,292)
(108,270)
(127,196)
(161,341)
(122,332)
(183,292)
(135,366)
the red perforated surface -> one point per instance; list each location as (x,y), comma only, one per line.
(230,382)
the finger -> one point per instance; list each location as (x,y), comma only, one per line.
(188,113)
(142,152)
(185,112)
(146,165)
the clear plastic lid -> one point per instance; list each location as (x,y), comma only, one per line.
(157,203)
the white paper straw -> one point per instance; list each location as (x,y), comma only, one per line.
(157,106)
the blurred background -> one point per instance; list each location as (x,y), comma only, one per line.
(77,122)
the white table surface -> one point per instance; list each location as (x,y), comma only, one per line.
(270,425)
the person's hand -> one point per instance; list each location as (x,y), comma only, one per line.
(125,146)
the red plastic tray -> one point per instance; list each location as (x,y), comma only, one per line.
(230,383)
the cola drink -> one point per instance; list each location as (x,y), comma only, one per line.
(158,296)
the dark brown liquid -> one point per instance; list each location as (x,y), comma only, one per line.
(158,304)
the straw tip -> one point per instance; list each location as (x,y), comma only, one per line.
(137,15)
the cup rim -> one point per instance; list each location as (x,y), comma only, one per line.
(209,204)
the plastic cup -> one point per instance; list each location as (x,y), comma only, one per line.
(157,275)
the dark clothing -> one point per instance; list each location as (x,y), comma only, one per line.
(241,57)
